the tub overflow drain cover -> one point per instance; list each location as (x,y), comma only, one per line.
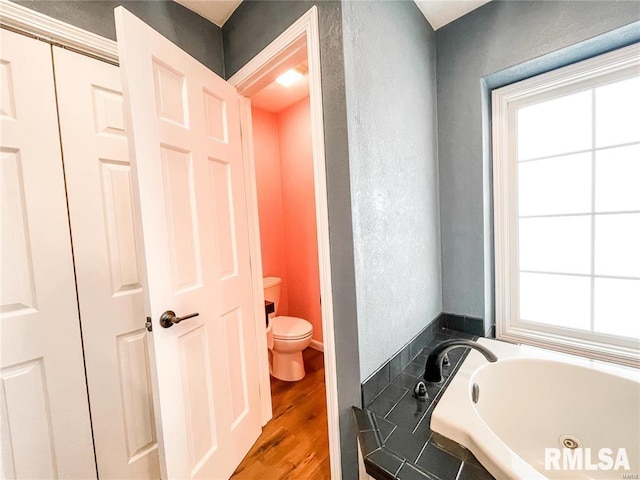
(569,441)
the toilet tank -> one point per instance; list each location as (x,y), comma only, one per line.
(272,290)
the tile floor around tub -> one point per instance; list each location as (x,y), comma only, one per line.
(295,442)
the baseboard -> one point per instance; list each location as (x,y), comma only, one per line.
(316,345)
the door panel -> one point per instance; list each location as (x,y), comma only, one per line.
(197,392)
(233,322)
(108,270)
(138,421)
(187,161)
(25,409)
(182,219)
(18,290)
(222,201)
(114,188)
(46,432)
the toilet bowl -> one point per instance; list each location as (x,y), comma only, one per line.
(286,337)
(291,335)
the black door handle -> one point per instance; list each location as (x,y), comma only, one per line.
(168,318)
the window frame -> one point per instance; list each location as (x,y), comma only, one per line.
(587,74)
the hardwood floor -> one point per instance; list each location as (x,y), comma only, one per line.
(295,443)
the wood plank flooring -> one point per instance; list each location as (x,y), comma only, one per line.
(295,443)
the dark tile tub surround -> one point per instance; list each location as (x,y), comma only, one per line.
(396,440)
(436,330)
(463,323)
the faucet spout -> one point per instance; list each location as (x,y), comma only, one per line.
(433,367)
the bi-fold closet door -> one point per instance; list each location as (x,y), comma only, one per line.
(46,429)
(46,432)
(108,267)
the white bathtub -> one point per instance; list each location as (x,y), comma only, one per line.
(529,400)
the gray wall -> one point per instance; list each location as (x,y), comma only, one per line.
(194,34)
(495,37)
(251,28)
(390,71)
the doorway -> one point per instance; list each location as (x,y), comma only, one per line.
(294,443)
(297,45)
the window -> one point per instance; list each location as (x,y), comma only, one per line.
(566,180)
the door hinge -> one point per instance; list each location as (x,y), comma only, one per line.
(148,325)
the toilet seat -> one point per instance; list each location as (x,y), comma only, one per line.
(291,328)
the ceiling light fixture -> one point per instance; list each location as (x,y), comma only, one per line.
(289,77)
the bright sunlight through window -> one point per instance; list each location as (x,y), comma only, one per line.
(567,208)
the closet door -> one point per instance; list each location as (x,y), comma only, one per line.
(103,227)
(44,411)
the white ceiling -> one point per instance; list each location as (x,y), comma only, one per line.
(441,12)
(437,12)
(275,98)
(216,11)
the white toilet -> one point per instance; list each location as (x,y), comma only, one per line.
(291,335)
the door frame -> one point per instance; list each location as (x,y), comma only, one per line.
(257,73)
(34,24)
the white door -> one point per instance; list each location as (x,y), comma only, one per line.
(187,158)
(109,282)
(45,426)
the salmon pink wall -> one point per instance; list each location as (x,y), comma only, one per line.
(267,159)
(299,212)
(286,206)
